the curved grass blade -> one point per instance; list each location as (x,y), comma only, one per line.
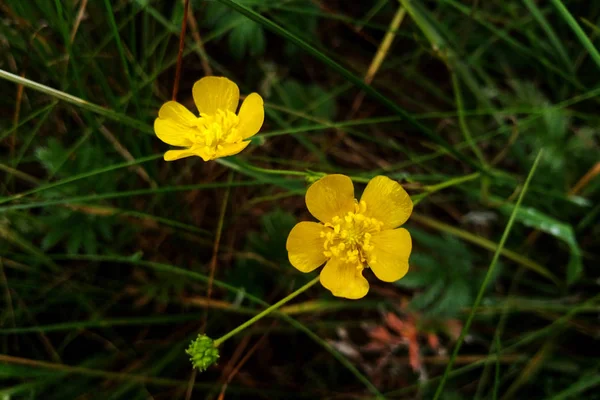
(113,115)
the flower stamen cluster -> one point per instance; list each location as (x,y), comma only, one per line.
(214,131)
(348,237)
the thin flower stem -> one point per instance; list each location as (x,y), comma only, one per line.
(269,310)
(305,174)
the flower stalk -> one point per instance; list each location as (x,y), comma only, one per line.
(204,352)
(266,312)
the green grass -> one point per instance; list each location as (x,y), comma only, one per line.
(106,250)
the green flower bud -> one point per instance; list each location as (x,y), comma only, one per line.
(203,352)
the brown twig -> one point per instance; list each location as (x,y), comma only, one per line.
(181,45)
(190,388)
(242,362)
(78,19)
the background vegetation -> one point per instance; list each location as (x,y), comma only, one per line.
(107,252)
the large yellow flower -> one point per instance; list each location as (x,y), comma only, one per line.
(218,131)
(353,235)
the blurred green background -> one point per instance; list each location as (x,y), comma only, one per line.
(106,250)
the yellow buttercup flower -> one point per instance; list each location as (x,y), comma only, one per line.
(218,131)
(353,235)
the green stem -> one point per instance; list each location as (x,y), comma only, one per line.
(269,310)
(461,119)
(77,101)
(304,174)
(443,185)
(487,278)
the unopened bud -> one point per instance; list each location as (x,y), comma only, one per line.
(203,352)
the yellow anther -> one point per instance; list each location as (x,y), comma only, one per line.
(350,236)
(215,131)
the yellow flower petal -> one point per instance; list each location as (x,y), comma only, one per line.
(175,124)
(344,280)
(305,246)
(252,115)
(230,149)
(214,93)
(387,201)
(389,257)
(173,155)
(330,196)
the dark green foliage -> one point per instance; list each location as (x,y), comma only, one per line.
(245,37)
(443,270)
(568,146)
(306,98)
(268,244)
(79,231)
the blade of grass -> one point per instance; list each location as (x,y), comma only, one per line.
(115,195)
(357,81)
(81,176)
(528,338)
(560,49)
(102,323)
(461,118)
(486,244)
(585,41)
(127,377)
(113,115)
(587,381)
(504,35)
(115,32)
(487,278)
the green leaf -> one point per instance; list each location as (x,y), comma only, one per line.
(269,243)
(75,240)
(247,37)
(52,238)
(51,156)
(307,98)
(424,299)
(535,219)
(445,274)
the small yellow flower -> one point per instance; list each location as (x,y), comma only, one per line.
(353,235)
(218,131)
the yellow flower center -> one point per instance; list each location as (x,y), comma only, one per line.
(214,131)
(348,237)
